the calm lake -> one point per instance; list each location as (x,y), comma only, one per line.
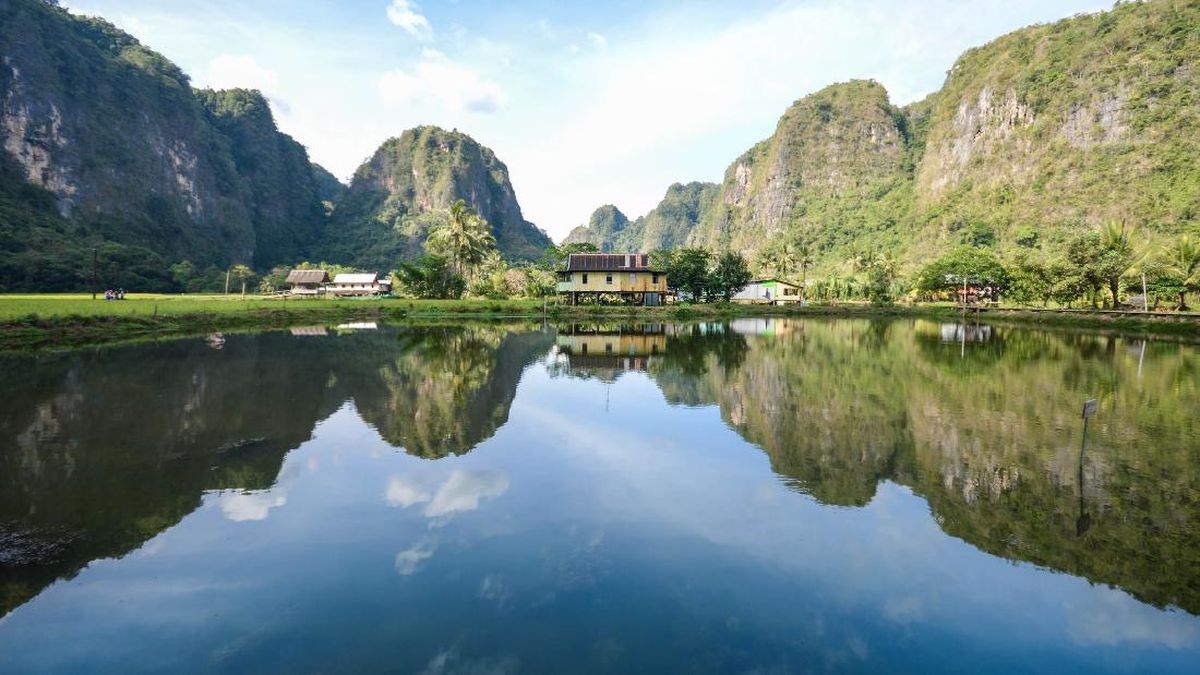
(762,495)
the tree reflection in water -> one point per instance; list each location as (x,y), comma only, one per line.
(101,450)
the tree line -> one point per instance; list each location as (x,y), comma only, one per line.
(1102,268)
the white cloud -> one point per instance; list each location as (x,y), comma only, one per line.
(409,560)
(597,40)
(439,80)
(232,70)
(408,16)
(242,506)
(462,491)
(1111,617)
(404,491)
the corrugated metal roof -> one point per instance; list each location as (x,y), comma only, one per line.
(355,279)
(609,262)
(307,277)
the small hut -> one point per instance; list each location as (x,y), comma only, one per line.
(307,283)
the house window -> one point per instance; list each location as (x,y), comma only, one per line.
(585,277)
(632,278)
(608,278)
(607,347)
(654,278)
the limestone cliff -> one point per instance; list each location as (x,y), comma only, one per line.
(402,191)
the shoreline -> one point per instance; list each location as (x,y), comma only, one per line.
(35,333)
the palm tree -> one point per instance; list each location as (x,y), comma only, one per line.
(465,238)
(804,259)
(1183,259)
(778,259)
(1120,256)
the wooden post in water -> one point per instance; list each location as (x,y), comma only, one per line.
(1084,522)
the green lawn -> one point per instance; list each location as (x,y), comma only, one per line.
(145,304)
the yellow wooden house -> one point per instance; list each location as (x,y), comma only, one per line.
(628,277)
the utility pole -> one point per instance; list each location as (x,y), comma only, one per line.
(95,256)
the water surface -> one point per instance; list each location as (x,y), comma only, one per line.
(772,495)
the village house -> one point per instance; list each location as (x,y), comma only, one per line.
(307,283)
(359,284)
(628,277)
(768,291)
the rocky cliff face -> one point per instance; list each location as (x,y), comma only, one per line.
(832,153)
(1034,136)
(1063,126)
(606,229)
(683,209)
(284,195)
(402,192)
(107,145)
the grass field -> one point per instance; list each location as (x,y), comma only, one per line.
(149,304)
(66,320)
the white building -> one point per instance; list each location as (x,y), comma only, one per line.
(359,284)
(770,291)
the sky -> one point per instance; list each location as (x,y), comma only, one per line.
(588,103)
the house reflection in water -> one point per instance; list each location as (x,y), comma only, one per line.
(610,349)
(762,326)
(965,332)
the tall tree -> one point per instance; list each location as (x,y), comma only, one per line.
(464,239)
(804,259)
(243,274)
(1118,256)
(1183,260)
(687,270)
(730,276)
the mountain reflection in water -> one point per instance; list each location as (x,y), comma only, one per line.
(102,450)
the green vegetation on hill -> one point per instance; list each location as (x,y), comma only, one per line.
(682,209)
(1035,139)
(405,190)
(606,230)
(107,147)
(284,194)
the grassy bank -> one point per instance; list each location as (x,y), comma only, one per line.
(47,321)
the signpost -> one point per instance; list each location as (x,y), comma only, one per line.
(1089,409)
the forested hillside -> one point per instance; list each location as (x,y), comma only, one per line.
(1039,136)
(405,189)
(108,147)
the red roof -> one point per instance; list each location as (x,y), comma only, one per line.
(609,262)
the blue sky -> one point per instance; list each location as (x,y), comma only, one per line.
(587,103)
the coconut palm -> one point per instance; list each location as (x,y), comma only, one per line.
(804,260)
(464,238)
(778,259)
(1183,259)
(1119,255)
